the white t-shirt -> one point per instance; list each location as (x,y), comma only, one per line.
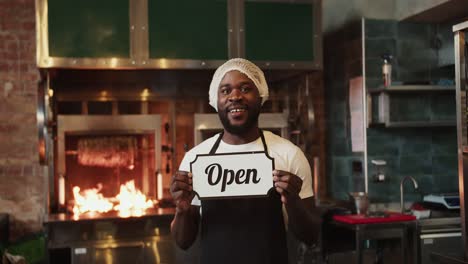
(288,157)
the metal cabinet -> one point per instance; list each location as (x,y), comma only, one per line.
(178,34)
(439,237)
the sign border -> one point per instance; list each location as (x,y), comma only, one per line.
(238,196)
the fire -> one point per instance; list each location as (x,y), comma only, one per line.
(129,202)
(90,201)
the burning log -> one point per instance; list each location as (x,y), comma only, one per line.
(109,152)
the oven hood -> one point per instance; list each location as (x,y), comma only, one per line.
(142,34)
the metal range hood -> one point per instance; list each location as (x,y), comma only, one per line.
(163,34)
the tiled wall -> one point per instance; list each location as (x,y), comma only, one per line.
(422,53)
(429,154)
(342,61)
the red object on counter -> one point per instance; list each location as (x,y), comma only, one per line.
(363,219)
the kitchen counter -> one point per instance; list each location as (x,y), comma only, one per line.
(162,213)
(440,240)
(109,238)
(394,226)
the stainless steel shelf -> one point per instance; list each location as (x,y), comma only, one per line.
(421,124)
(414,88)
(383,97)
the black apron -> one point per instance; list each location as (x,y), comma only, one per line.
(243,230)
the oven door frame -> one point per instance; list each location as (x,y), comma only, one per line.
(106,125)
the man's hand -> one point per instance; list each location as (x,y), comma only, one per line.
(288,185)
(182,190)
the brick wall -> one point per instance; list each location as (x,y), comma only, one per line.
(22,182)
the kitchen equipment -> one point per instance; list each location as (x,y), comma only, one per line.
(387,70)
(364,219)
(449,201)
(440,236)
(361,202)
(402,199)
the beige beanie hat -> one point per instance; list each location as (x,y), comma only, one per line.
(244,66)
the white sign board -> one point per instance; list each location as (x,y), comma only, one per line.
(232,175)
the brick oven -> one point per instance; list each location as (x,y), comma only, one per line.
(108,163)
(106,190)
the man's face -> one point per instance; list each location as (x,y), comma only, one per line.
(239,103)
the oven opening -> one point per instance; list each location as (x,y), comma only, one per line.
(110,173)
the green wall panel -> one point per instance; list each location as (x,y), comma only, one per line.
(89,28)
(187,29)
(279,31)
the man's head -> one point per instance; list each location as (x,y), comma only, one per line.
(237,92)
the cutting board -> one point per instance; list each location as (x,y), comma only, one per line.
(363,219)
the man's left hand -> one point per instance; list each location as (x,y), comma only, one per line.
(287,184)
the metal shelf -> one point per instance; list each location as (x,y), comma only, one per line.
(414,88)
(421,123)
(383,95)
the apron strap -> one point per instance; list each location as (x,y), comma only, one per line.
(216,144)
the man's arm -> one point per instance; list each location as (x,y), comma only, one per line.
(184,227)
(304,220)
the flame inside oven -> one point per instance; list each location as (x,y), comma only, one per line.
(129,202)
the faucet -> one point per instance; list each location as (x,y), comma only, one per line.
(415,184)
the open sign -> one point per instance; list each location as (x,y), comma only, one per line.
(232,174)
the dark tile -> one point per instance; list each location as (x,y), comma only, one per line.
(336,132)
(373,83)
(415,164)
(414,48)
(445,72)
(375,48)
(444,142)
(420,64)
(443,106)
(382,145)
(445,183)
(340,147)
(374,68)
(414,76)
(409,107)
(447,164)
(378,193)
(408,30)
(341,167)
(425,184)
(339,113)
(416,144)
(380,28)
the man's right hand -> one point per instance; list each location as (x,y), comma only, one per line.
(182,190)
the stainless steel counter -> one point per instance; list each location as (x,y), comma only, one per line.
(107,238)
(440,239)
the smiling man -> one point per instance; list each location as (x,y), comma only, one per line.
(245,230)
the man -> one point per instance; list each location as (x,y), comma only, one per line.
(245,230)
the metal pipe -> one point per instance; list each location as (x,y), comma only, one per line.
(316,179)
(415,184)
